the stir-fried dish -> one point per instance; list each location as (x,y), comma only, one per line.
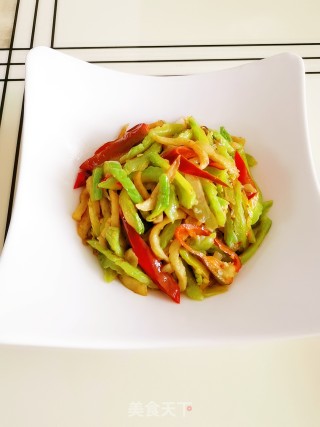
(171,206)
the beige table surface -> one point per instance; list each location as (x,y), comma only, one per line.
(274,384)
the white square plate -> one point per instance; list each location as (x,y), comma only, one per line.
(52,290)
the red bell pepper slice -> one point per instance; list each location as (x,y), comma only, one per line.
(81,179)
(118,147)
(190,168)
(244,176)
(150,264)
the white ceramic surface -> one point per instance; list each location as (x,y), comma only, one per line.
(52,291)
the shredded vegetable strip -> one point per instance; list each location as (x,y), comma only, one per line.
(139,185)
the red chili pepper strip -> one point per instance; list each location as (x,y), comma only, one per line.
(186,152)
(244,176)
(150,264)
(187,167)
(81,179)
(216,165)
(108,175)
(118,147)
(230,252)
(186,230)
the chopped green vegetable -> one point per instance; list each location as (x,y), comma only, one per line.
(140,163)
(168,233)
(115,169)
(251,161)
(198,132)
(214,201)
(163,197)
(172,210)
(201,272)
(131,271)
(96,178)
(185,192)
(130,212)
(225,134)
(261,232)
(110,184)
(151,174)
(224,140)
(113,237)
